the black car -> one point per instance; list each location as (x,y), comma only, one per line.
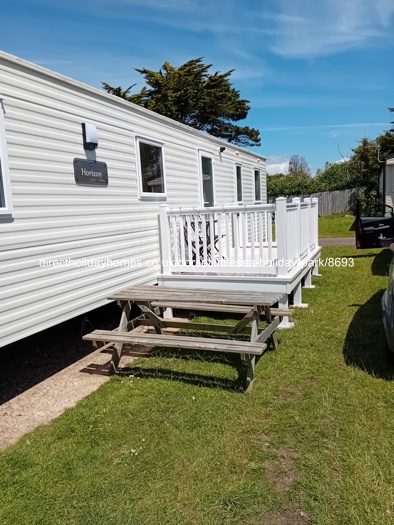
(374,224)
(375,228)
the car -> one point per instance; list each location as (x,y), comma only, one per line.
(388,312)
(374,224)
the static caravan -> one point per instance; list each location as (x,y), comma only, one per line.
(83,175)
(387,181)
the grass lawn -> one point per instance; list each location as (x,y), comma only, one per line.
(312,443)
(337,225)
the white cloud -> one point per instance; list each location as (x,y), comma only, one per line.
(341,161)
(277,164)
(328,126)
(50,62)
(385,9)
(301,29)
(167,5)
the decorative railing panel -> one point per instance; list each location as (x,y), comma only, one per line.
(238,239)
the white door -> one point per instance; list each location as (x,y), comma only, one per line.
(206,164)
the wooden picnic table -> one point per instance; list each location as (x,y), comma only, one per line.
(153,300)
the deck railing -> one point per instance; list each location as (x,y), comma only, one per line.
(238,239)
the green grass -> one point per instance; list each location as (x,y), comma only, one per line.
(336,225)
(181,446)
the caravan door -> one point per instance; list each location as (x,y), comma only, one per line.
(206,171)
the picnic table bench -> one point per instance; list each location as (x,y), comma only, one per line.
(153,300)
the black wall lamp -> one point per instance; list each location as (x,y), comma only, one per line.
(90,136)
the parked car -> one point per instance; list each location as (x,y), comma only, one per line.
(388,311)
(375,228)
(374,224)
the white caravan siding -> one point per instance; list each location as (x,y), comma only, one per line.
(55,218)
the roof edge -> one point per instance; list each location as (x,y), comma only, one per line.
(121,102)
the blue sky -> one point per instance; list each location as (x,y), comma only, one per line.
(318,73)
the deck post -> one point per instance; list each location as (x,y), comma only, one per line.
(165,240)
(310,219)
(308,280)
(281,240)
(297,296)
(284,305)
(297,240)
(315,222)
(315,268)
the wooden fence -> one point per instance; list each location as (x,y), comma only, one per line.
(338,201)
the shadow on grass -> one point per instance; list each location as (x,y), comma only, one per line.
(207,357)
(364,345)
(381,261)
(201,380)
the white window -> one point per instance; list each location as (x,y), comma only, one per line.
(5,191)
(257,186)
(238,170)
(151,168)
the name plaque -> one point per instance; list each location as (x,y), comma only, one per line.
(90,172)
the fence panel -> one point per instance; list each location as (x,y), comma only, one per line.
(338,201)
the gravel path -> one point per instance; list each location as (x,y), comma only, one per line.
(48,399)
(48,372)
(341,241)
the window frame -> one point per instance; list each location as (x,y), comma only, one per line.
(239,201)
(143,195)
(5,182)
(258,170)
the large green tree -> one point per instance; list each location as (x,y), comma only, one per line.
(193,96)
(367,160)
(334,177)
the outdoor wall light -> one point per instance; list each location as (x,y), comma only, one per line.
(221,149)
(90,136)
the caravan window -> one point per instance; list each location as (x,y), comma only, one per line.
(239,183)
(151,168)
(257,186)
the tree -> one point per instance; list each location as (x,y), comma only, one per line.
(335,176)
(366,163)
(298,164)
(193,96)
(281,185)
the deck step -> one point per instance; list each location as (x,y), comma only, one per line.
(178,341)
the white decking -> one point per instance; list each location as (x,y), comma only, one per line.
(265,247)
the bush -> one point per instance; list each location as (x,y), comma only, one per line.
(294,184)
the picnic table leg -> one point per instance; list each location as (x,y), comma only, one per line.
(255,323)
(268,317)
(248,364)
(117,352)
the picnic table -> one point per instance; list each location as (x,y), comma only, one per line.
(154,300)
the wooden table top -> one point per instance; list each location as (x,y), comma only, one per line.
(150,293)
